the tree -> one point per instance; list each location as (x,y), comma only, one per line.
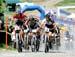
(1,6)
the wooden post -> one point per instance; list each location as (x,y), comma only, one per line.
(6,32)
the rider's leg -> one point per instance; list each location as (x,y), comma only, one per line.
(29,39)
(43,37)
(50,36)
(30,35)
(38,35)
(50,40)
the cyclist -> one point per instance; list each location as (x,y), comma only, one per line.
(33,26)
(49,26)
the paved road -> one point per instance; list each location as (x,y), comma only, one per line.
(35,54)
(65,50)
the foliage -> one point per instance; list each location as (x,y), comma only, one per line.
(1,6)
(2,45)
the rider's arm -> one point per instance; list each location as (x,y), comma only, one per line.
(42,24)
(55,26)
(26,23)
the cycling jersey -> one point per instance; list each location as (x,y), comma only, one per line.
(48,24)
(33,24)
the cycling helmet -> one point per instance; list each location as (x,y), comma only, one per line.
(18,11)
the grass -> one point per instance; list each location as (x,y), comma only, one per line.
(2,47)
(33,0)
(66,3)
(71,9)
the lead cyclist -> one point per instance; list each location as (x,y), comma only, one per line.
(50,29)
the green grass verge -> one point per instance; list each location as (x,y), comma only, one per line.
(2,47)
(66,3)
(33,0)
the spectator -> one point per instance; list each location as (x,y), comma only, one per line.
(10,28)
(13,37)
(0,24)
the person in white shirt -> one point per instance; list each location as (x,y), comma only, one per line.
(13,38)
(17,30)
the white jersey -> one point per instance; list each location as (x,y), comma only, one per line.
(45,22)
(47,25)
(17,27)
(13,36)
(0,22)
